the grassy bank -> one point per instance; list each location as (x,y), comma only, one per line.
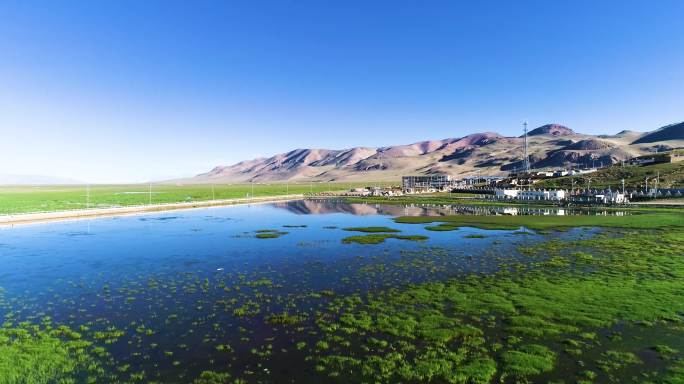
(26,199)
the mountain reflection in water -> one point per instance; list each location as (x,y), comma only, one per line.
(328,206)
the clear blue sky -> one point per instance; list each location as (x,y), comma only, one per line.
(114,91)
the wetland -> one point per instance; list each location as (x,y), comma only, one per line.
(324,291)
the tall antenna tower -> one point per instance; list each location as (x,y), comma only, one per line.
(526,161)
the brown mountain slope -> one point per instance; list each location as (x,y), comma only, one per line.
(489,153)
(666,133)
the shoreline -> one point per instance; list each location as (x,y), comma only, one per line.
(82,214)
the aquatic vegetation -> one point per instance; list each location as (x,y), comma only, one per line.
(380,238)
(212,377)
(613,360)
(437,328)
(294,226)
(269,234)
(372,229)
(35,354)
(605,305)
(528,360)
(442,227)
(284,318)
(665,350)
(248,309)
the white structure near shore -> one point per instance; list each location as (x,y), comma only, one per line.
(606,197)
(517,194)
(426,183)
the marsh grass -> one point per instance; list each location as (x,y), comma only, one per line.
(43,354)
(269,234)
(378,238)
(559,303)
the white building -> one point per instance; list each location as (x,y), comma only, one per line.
(551,195)
(506,193)
(428,183)
(611,197)
(607,197)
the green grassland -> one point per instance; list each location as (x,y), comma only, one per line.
(24,199)
(671,176)
(636,218)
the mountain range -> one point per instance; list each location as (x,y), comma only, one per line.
(549,146)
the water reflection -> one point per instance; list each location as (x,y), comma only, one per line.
(318,207)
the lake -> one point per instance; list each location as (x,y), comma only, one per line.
(170,295)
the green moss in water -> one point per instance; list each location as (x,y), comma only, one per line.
(444,227)
(269,234)
(529,360)
(34,354)
(283,318)
(212,377)
(378,238)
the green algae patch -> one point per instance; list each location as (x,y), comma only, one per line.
(372,229)
(269,234)
(42,354)
(212,377)
(475,236)
(443,227)
(378,238)
(529,360)
(284,318)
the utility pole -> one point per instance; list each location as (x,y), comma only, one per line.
(572,181)
(623,186)
(526,162)
(213,195)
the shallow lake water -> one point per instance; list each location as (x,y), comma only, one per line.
(176,293)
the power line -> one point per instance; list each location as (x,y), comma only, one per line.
(526,162)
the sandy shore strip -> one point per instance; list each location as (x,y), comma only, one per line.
(39,217)
(663,202)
